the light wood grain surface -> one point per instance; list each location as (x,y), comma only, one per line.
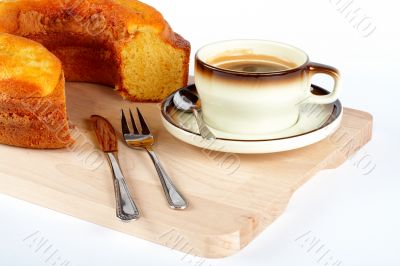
(232,197)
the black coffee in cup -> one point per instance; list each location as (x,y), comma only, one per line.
(251,63)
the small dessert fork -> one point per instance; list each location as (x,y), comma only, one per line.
(145,140)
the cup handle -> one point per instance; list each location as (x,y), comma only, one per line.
(316,68)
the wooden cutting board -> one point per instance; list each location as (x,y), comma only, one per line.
(232,197)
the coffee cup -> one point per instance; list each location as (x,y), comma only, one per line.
(256,87)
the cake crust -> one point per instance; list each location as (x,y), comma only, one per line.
(27,69)
(32,98)
(36,122)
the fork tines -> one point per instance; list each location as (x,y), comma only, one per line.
(135,129)
(143,124)
(145,128)
(124,124)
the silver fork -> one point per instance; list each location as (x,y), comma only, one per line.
(145,140)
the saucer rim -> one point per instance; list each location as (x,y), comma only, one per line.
(336,113)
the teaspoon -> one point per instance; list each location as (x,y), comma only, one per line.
(187,101)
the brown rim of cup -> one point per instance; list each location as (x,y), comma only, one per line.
(243,73)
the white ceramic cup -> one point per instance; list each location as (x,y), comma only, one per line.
(257,102)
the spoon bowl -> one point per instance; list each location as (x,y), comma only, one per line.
(187,101)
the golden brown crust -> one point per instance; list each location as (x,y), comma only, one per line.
(36,122)
(104,19)
(32,100)
(183,44)
(27,69)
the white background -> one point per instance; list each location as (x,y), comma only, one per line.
(353,213)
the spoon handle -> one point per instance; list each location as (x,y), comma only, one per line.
(204,131)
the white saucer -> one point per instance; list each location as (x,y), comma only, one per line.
(316,122)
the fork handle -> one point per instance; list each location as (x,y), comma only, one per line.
(125,206)
(174,198)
